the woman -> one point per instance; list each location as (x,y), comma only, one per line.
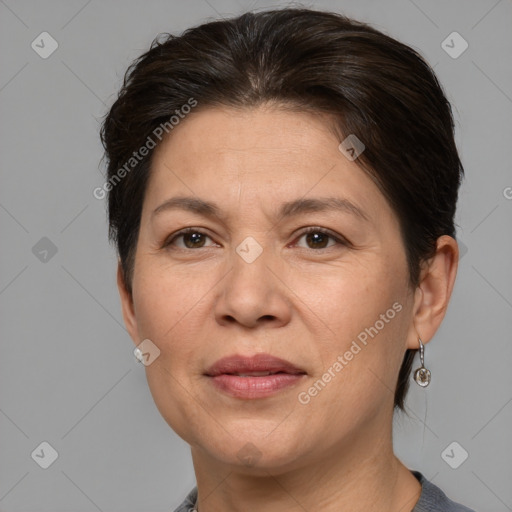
(282,188)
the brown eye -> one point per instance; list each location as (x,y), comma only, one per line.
(319,239)
(316,238)
(192,239)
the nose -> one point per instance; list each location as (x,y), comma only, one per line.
(253,293)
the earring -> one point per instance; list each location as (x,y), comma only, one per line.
(422,375)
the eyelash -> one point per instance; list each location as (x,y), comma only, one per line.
(338,239)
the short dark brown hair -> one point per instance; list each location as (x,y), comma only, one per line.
(372,85)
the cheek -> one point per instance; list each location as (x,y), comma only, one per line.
(165,306)
(172,308)
(162,300)
(366,323)
(352,302)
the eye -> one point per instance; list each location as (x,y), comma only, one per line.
(192,238)
(318,238)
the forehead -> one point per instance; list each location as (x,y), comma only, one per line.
(261,154)
(248,135)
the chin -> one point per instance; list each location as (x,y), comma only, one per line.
(255,455)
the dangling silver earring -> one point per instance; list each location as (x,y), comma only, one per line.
(422,375)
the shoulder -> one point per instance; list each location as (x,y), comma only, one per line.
(433,499)
(189,502)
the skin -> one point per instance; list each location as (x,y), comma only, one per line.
(301,300)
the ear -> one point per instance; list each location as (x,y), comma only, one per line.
(129,317)
(434,290)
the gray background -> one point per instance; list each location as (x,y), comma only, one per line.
(67,371)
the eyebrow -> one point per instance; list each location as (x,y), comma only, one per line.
(288,209)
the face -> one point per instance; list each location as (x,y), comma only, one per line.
(248,279)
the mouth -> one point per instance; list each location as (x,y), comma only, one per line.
(258,365)
(256,374)
(259,376)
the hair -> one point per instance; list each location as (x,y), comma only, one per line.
(371,85)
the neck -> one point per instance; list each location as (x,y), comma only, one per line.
(363,474)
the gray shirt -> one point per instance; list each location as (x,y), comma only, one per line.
(432,499)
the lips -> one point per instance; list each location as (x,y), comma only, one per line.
(259,365)
(257,377)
